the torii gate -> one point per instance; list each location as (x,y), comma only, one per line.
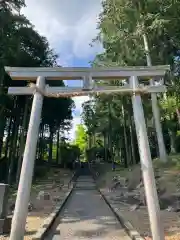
(88,75)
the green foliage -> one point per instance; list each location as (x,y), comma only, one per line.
(69,153)
(22,46)
(122,26)
(81,138)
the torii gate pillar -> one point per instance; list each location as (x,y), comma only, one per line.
(146,165)
(24,188)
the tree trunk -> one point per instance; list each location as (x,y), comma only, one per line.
(105,147)
(42,142)
(57,148)
(132,140)
(110,135)
(50,146)
(13,148)
(8,138)
(155,108)
(2,127)
(22,141)
(124,155)
(173,139)
(120,151)
(90,141)
(2,113)
(133,155)
(59,153)
(38,147)
(178,115)
(125,136)
(94,139)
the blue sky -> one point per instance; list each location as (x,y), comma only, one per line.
(70,26)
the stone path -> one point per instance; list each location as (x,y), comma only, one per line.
(86,216)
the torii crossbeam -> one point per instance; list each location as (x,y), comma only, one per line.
(131,74)
(59,73)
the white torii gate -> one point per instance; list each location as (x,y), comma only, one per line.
(87,75)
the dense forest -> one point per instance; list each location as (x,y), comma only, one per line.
(134,33)
(21,45)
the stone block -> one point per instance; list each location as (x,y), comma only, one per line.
(57,199)
(134,177)
(123,181)
(1,225)
(43,196)
(5,225)
(47,196)
(3,199)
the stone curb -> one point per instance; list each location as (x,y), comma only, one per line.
(51,218)
(126,224)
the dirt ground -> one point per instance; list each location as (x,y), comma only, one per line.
(169,177)
(52,185)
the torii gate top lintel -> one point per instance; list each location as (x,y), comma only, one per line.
(66,73)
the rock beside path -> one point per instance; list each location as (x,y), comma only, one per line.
(42,195)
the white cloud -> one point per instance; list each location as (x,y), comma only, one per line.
(69,25)
(66,61)
(80,100)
